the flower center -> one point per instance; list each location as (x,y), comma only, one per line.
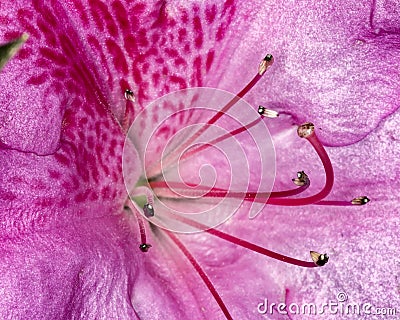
(206,153)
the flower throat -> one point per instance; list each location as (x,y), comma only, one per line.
(141,200)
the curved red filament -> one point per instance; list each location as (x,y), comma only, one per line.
(201,273)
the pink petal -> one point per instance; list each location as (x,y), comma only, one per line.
(79,270)
(335,63)
(142,56)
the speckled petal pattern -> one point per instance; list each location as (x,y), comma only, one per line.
(70,250)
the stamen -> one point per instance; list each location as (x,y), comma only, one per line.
(360,201)
(247,244)
(307,131)
(267,112)
(8,50)
(143,191)
(129,95)
(170,158)
(144,246)
(256,248)
(265,64)
(269,60)
(201,273)
(301,179)
(319,259)
(148,210)
(127,118)
(355,202)
(219,139)
(176,190)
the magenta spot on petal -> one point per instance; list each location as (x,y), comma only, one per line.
(211,13)
(142,38)
(121,16)
(4,20)
(107,18)
(156,79)
(130,45)
(105,192)
(24,53)
(139,8)
(145,68)
(116,176)
(45,202)
(182,33)
(197,79)
(113,145)
(59,74)
(96,16)
(48,15)
(11,35)
(82,12)
(178,80)
(81,197)
(171,52)
(198,41)
(185,17)
(118,56)
(228,7)
(180,62)
(37,80)
(67,46)
(186,48)
(7,196)
(210,59)
(220,33)
(152,51)
(47,31)
(53,56)
(63,160)
(54,174)
(135,23)
(90,142)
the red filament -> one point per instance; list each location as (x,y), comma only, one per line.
(201,273)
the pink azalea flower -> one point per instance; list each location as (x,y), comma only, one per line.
(69,248)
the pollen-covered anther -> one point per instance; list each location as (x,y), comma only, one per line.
(301,180)
(267,112)
(265,64)
(305,130)
(129,95)
(360,201)
(319,259)
(148,210)
(144,247)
